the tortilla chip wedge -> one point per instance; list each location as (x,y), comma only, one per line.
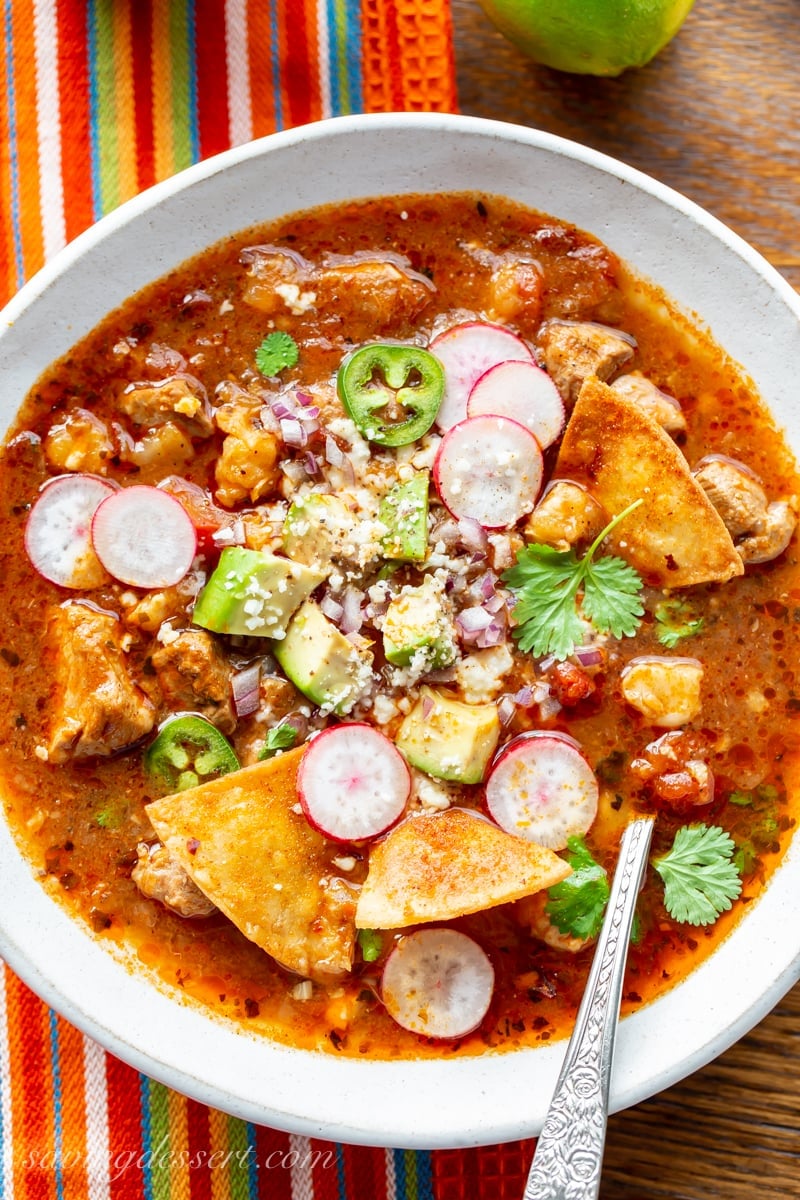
(263,865)
(435,868)
(675,538)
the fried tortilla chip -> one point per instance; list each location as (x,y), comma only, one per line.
(675,538)
(435,868)
(263,865)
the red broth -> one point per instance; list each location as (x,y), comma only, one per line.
(80,820)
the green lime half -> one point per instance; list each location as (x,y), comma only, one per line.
(589,37)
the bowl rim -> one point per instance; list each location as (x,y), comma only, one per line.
(379,1103)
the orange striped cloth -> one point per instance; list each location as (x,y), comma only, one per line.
(98,100)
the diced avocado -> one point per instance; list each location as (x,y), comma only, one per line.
(448,739)
(253,593)
(417,623)
(321,662)
(404,512)
(315,529)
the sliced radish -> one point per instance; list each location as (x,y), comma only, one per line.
(489,469)
(541,788)
(144,537)
(353,783)
(466,352)
(438,983)
(523,392)
(58,535)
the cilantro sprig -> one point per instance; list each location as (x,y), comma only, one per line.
(280,737)
(371,944)
(700,879)
(546,583)
(576,905)
(277,351)
(676,620)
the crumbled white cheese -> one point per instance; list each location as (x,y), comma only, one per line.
(480,675)
(296,301)
(384,709)
(432,795)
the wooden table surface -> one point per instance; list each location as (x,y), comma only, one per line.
(716,116)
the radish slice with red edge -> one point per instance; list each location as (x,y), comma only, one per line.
(523,392)
(144,537)
(353,783)
(489,469)
(438,983)
(58,537)
(466,352)
(541,788)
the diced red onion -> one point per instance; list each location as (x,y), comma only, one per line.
(160,356)
(331,608)
(299,723)
(549,707)
(198,297)
(589,656)
(352,616)
(337,458)
(292,432)
(311,463)
(506,708)
(230,535)
(294,471)
(245,686)
(427,707)
(375,609)
(473,620)
(310,409)
(443,675)
(333,454)
(492,635)
(547,663)
(495,605)
(472,534)
(524,697)
(487,585)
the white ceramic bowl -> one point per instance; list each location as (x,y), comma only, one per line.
(708,271)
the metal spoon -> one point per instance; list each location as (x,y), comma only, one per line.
(569,1153)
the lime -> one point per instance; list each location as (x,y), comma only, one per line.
(589,37)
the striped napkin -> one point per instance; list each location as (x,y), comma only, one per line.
(98,100)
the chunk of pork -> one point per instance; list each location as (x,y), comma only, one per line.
(97,708)
(361,292)
(161,877)
(663,408)
(168,400)
(761,530)
(574,350)
(194,674)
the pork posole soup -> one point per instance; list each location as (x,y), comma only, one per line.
(363,578)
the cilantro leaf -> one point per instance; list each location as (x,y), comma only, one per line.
(676,620)
(280,737)
(577,904)
(546,584)
(371,944)
(611,596)
(277,351)
(700,879)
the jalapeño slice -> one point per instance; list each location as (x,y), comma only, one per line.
(188,751)
(391,392)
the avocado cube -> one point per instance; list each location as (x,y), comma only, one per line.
(320,661)
(417,623)
(253,594)
(404,512)
(316,528)
(448,739)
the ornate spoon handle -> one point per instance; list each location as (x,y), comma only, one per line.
(569,1153)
